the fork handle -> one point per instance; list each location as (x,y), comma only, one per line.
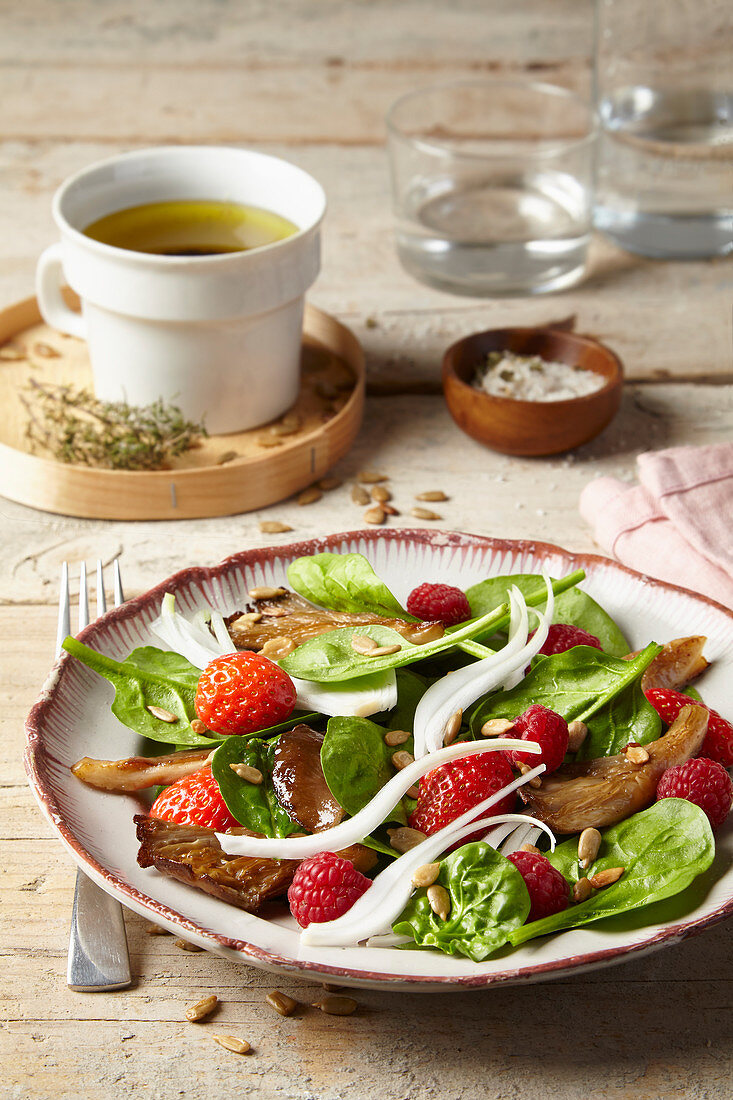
(98,958)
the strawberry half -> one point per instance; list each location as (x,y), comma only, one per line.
(194,800)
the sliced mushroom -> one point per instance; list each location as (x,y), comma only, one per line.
(138,772)
(602,792)
(680,662)
(299,782)
(193,855)
(292,617)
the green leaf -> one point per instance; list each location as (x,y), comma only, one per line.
(488,901)
(149,677)
(254,805)
(329,657)
(629,716)
(410,689)
(578,683)
(572,606)
(662,849)
(344,582)
(357,764)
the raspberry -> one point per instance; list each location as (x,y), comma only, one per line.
(561,636)
(549,729)
(548,890)
(439,601)
(194,800)
(448,791)
(242,693)
(718,743)
(324,887)
(702,781)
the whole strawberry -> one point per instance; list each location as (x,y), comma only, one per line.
(718,743)
(548,890)
(443,602)
(242,693)
(194,800)
(324,887)
(549,729)
(702,781)
(448,791)
(561,636)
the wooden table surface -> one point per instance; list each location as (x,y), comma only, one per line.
(311,80)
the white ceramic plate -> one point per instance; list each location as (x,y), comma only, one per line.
(72,719)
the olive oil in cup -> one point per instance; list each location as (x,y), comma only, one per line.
(190,227)
(191,263)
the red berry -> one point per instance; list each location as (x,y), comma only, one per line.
(548,890)
(448,791)
(443,602)
(549,729)
(702,781)
(323,887)
(194,800)
(242,693)
(561,636)
(718,743)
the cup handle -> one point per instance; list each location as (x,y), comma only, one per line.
(54,310)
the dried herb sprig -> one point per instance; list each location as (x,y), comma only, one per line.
(79,428)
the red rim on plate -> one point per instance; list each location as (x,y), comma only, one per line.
(50,729)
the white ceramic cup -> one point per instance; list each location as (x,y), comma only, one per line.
(217,335)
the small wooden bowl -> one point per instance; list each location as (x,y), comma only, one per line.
(531,427)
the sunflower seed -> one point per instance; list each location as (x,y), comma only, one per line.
(381,494)
(273,527)
(577,733)
(589,842)
(425,875)
(370,477)
(363,644)
(336,1005)
(267,592)
(582,890)
(309,496)
(46,351)
(412,792)
(359,495)
(393,738)
(453,727)
(247,619)
(432,495)
(424,513)
(636,754)
(523,769)
(278,647)
(531,848)
(163,714)
(226,457)
(198,726)
(186,946)
(12,355)
(375,515)
(390,510)
(282,1004)
(329,483)
(202,1008)
(231,1042)
(249,774)
(401,759)
(496,727)
(606,878)
(404,839)
(156,930)
(439,900)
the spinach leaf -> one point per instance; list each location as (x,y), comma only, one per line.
(629,716)
(329,657)
(576,684)
(357,763)
(572,606)
(662,849)
(489,900)
(344,582)
(254,806)
(149,677)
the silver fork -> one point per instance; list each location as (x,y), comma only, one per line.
(98,956)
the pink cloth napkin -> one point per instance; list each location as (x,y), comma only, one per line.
(677,523)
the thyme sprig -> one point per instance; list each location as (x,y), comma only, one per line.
(78,428)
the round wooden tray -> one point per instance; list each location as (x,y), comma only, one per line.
(225,475)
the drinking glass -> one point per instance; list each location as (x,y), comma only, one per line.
(664,89)
(492,185)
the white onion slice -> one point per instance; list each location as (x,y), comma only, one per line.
(377,909)
(355,828)
(464,686)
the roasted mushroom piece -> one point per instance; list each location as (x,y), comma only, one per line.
(136,773)
(680,662)
(193,855)
(299,782)
(597,793)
